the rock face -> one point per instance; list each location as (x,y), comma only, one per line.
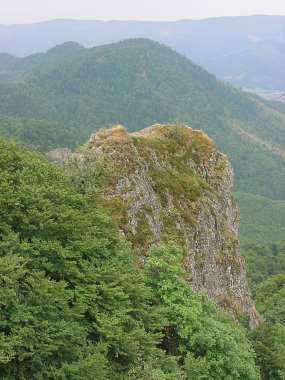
(169,182)
(60,155)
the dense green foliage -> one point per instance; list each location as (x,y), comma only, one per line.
(269,338)
(74,303)
(262,219)
(40,134)
(269,344)
(270,299)
(263,261)
(266,273)
(139,82)
(209,343)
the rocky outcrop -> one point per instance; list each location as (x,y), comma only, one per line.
(60,155)
(169,182)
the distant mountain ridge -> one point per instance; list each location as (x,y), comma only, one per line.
(247,51)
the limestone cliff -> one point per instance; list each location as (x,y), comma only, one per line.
(169,182)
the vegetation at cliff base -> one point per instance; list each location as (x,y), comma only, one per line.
(266,273)
(269,338)
(211,345)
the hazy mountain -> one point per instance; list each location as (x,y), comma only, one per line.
(248,51)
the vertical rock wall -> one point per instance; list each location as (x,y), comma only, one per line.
(169,182)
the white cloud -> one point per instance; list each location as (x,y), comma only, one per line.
(17,11)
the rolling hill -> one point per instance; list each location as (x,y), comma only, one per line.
(139,82)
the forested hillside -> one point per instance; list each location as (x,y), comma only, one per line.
(139,82)
(40,134)
(262,219)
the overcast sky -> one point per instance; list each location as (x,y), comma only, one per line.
(23,11)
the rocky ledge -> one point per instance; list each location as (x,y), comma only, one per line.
(169,182)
